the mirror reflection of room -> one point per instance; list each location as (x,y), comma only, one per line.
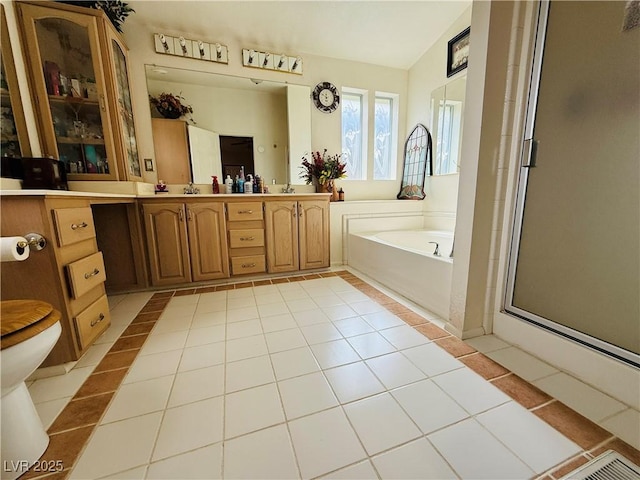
(447,112)
(225,108)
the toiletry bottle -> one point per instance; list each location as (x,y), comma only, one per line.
(215,186)
(341,195)
(256,184)
(228,183)
(235,185)
(241,181)
(248,184)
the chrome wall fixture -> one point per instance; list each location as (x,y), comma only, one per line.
(198,49)
(272,61)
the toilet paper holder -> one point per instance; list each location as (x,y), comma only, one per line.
(33,240)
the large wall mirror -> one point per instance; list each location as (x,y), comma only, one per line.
(447,112)
(275,116)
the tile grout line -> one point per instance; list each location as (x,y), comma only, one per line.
(372,292)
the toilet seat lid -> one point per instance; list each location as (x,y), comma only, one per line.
(16,315)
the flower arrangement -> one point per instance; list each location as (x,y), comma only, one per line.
(323,168)
(170,106)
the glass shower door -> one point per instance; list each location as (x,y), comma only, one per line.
(575,256)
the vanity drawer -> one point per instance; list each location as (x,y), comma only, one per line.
(253,237)
(248,264)
(85,274)
(73,225)
(92,321)
(244,211)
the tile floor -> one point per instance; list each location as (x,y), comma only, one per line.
(319,378)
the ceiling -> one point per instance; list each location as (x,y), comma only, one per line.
(388,33)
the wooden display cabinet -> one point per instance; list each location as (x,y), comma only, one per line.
(77,66)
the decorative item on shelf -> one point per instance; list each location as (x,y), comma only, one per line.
(117,11)
(280,62)
(197,49)
(322,171)
(161,187)
(170,106)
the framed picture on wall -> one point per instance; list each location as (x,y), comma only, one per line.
(458,52)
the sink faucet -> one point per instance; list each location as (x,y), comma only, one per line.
(288,189)
(436,252)
(190,189)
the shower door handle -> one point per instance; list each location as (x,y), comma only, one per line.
(529,153)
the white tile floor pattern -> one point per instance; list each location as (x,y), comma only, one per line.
(305,380)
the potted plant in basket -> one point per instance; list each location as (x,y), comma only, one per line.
(170,106)
(322,170)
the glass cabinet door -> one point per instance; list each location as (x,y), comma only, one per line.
(13,130)
(9,142)
(124,111)
(66,63)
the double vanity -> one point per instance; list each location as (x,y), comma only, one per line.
(99,243)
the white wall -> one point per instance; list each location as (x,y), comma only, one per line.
(426,75)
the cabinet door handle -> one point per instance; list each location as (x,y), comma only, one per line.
(95,272)
(180,215)
(189,214)
(75,226)
(245,211)
(100,318)
(244,239)
(248,265)
(102,106)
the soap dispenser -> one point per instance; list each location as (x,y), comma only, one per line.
(215,186)
(228,183)
(241,181)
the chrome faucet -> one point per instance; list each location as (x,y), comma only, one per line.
(436,252)
(288,189)
(191,190)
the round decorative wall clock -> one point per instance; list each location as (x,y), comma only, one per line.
(326,97)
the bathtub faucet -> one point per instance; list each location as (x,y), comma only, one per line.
(436,252)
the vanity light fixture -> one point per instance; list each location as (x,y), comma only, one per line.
(269,61)
(184,47)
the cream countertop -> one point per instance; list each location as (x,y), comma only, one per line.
(238,196)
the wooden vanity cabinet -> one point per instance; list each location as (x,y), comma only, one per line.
(297,235)
(186,242)
(313,233)
(68,273)
(246,232)
(77,68)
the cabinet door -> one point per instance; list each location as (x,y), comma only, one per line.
(282,236)
(120,103)
(66,68)
(166,229)
(314,233)
(172,150)
(207,241)
(14,141)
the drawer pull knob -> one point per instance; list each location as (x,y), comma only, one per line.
(97,320)
(244,239)
(75,226)
(245,211)
(95,272)
(248,265)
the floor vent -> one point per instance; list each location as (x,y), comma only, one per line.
(608,466)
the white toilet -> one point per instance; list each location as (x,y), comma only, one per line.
(30,329)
